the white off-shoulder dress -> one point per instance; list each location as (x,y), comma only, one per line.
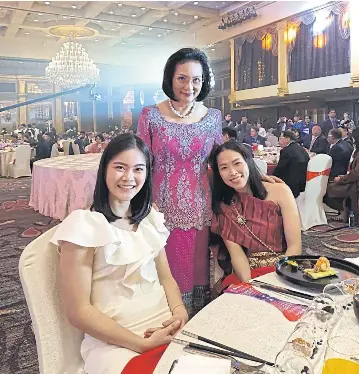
(125,284)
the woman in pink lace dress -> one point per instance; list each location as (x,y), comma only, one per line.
(181,133)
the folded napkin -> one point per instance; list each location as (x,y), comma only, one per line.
(293,312)
(201,365)
(354,261)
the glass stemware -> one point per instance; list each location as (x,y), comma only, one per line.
(290,361)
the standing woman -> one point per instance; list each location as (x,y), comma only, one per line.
(181,133)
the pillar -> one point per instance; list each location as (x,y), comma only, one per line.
(354,47)
(232,97)
(78,116)
(94,115)
(57,115)
(22,111)
(282,60)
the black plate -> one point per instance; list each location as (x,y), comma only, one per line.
(344,269)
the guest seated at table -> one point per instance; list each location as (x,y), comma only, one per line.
(29,140)
(258,221)
(14,139)
(342,193)
(345,136)
(340,152)
(97,147)
(254,138)
(316,143)
(229,133)
(293,162)
(125,299)
(43,148)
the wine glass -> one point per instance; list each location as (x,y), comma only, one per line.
(356,305)
(290,361)
(341,356)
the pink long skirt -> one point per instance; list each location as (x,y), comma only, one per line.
(188,257)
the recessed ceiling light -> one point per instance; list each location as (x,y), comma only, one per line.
(195,17)
(48,35)
(141,33)
(39,14)
(36,20)
(213,49)
(123,43)
(47,2)
(176,13)
(223,2)
(139,45)
(184,23)
(221,57)
(119,4)
(99,21)
(159,35)
(134,15)
(20,62)
(165,20)
(113,29)
(150,29)
(111,12)
(195,3)
(27,33)
(64,17)
(120,24)
(96,40)
(143,8)
(73,6)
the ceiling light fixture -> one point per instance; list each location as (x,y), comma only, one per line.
(111,12)
(150,29)
(119,4)
(159,35)
(113,29)
(73,6)
(96,40)
(123,43)
(64,17)
(176,13)
(36,20)
(165,20)
(20,62)
(39,14)
(143,8)
(195,17)
(237,18)
(139,45)
(184,23)
(48,35)
(213,49)
(134,15)
(195,3)
(72,67)
(27,33)
(47,2)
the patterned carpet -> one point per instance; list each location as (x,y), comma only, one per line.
(20,224)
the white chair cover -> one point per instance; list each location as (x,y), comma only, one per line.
(66,147)
(20,167)
(76,149)
(58,343)
(261,165)
(54,151)
(273,140)
(310,202)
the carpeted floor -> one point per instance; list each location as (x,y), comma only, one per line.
(20,224)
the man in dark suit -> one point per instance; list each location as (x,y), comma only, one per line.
(293,162)
(254,138)
(316,143)
(243,129)
(331,123)
(340,152)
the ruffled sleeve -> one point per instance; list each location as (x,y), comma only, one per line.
(86,229)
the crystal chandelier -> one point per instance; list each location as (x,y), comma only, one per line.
(72,67)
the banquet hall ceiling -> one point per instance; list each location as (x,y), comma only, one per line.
(115,26)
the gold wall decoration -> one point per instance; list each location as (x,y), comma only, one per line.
(74,31)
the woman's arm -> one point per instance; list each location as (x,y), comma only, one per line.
(291,220)
(76,279)
(239,261)
(172,291)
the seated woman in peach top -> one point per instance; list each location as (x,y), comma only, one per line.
(97,147)
(258,221)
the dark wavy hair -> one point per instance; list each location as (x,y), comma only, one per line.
(141,204)
(221,191)
(180,57)
(100,136)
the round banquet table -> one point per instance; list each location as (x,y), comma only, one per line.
(250,325)
(63,184)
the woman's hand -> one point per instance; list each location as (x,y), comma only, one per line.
(161,336)
(179,314)
(271,179)
(336,179)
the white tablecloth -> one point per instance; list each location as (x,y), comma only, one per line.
(63,184)
(247,324)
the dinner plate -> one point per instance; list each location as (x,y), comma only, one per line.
(344,269)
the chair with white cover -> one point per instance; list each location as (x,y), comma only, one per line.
(20,164)
(54,151)
(261,165)
(310,202)
(273,140)
(66,147)
(76,149)
(58,343)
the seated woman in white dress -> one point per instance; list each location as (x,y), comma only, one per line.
(116,283)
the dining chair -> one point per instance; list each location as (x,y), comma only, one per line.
(261,165)
(66,147)
(57,341)
(20,164)
(54,151)
(310,202)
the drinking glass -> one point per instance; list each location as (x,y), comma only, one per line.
(289,361)
(356,305)
(341,356)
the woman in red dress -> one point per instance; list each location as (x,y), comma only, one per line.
(258,221)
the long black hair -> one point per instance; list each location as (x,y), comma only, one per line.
(221,191)
(180,57)
(141,204)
